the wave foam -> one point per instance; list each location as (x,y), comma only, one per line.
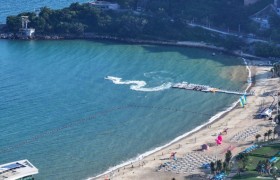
(139,85)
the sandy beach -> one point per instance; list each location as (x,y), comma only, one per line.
(238,121)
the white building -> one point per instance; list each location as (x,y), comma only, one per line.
(18,170)
(104,5)
(24,31)
(27,32)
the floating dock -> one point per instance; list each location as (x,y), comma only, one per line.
(206,89)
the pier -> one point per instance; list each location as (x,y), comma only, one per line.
(206,89)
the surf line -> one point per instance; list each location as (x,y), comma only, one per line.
(139,85)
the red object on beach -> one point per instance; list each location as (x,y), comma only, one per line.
(220,138)
(218,142)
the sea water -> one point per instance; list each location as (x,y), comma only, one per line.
(14,7)
(77,108)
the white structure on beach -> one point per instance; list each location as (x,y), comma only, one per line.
(24,31)
(104,5)
(18,170)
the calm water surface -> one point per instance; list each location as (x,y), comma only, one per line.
(58,111)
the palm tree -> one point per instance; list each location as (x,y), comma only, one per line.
(265,134)
(269,132)
(228,156)
(212,167)
(257,137)
(219,165)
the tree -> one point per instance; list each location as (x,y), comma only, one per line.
(264,136)
(212,167)
(269,132)
(225,166)
(274,133)
(219,165)
(77,28)
(267,50)
(228,156)
(13,23)
(257,137)
(245,160)
(276,69)
(275,21)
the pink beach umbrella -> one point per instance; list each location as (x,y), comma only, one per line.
(220,137)
(218,142)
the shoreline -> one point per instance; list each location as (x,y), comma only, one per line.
(90,36)
(218,116)
(215,118)
(236,119)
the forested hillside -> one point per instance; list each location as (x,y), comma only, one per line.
(159,19)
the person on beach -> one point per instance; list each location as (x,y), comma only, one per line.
(172,156)
(225,131)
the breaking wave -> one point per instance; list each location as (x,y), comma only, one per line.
(139,85)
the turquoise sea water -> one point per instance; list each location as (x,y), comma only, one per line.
(58,111)
(8,7)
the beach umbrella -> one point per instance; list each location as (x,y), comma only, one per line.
(220,138)
(244,99)
(241,102)
(218,142)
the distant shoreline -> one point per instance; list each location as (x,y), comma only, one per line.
(90,36)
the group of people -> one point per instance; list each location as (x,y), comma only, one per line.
(266,168)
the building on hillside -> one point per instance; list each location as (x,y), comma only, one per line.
(248,2)
(104,5)
(262,16)
(19,170)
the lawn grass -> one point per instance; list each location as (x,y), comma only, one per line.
(249,175)
(261,154)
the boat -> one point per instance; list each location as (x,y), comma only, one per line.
(18,170)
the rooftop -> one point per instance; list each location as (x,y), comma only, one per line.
(16,170)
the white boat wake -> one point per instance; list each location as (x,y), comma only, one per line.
(139,85)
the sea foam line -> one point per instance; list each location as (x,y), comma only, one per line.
(212,119)
(139,85)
